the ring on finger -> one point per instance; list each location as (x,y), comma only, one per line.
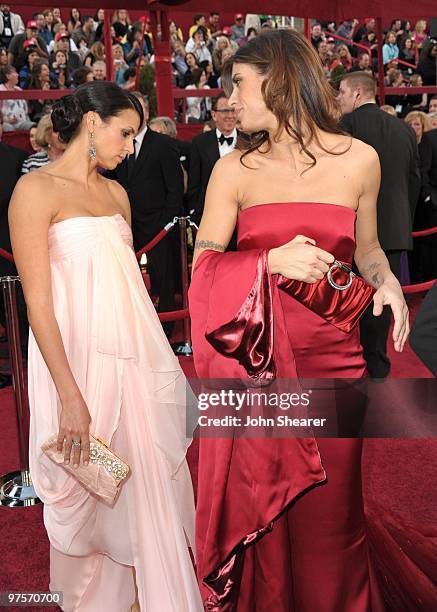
(76,443)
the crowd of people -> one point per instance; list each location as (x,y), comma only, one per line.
(52,52)
(49,52)
(55,51)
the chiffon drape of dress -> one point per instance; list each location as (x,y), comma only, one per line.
(136,394)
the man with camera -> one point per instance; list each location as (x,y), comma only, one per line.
(73,59)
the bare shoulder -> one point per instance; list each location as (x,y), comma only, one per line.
(223,187)
(35,180)
(226,177)
(363,150)
(361,161)
(114,187)
(30,195)
(119,195)
(352,149)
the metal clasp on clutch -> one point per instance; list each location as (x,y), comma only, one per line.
(105,444)
(342,266)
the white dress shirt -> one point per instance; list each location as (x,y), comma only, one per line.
(139,140)
(225,148)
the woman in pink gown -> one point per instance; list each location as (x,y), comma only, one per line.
(99,362)
(280,522)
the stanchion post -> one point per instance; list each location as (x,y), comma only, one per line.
(16,488)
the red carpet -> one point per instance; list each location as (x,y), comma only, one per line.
(399,486)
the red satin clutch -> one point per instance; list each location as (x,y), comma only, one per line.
(340,297)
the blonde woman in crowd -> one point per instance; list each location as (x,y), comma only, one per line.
(226,54)
(419,34)
(50,147)
(121,22)
(345,57)
(164,125)
(419,122)
(96,54)
(222,44)
(119,63)
(388,108)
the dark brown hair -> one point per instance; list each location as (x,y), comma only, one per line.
(295,89)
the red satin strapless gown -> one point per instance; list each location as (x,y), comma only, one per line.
(315,559)
(320,349)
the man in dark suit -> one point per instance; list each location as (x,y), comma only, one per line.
(428,167)
(206,150)
(423,338)
(11,160)
(395,143)
(428,203)
(153,179)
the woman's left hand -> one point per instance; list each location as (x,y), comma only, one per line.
(390,294)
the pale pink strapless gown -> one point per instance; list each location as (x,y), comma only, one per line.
(135,392)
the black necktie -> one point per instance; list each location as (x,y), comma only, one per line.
(131,162)
(223,138)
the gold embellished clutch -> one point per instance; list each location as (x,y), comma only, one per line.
(104,474)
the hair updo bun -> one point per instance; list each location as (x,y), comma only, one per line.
(102,97)
(67,115)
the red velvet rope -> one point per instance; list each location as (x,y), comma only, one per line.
(419,287)
(174,315)
(155,240)
(6,255)
(426,232)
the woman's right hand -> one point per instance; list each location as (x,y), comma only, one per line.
(300,259)
(74,424)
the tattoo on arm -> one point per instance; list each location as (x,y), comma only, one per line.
(371,272)
(209,244)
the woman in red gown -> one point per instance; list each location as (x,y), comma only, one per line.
(280,523)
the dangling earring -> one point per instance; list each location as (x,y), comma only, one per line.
(92,150)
